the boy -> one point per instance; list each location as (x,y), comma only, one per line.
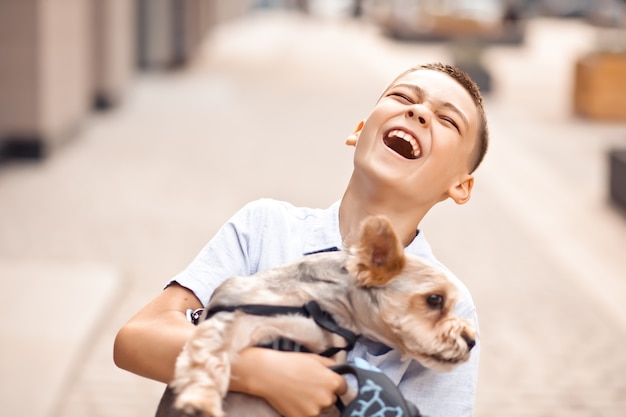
(420,145)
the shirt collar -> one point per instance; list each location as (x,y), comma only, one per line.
(324,235)
(419,246)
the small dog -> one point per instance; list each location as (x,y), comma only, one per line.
(373,289)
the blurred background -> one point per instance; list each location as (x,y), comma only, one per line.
(131,130)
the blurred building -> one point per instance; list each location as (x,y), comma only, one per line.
(61,58)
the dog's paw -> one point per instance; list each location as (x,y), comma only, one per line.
(199,402)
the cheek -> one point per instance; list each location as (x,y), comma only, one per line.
(450,153)
(366,147)
(445,139)
(383,111)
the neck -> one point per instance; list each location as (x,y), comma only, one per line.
(357,205)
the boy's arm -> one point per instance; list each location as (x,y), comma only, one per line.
(150,342)
(296,384)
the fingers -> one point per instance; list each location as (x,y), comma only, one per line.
(341,386)
(295,384)
(337,383)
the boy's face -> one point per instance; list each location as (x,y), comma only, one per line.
(419,139)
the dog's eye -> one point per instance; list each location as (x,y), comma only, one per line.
(435,301)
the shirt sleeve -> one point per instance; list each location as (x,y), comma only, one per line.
(233,251)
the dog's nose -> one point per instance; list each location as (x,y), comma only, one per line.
(471,342)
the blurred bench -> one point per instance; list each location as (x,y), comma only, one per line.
(600,86)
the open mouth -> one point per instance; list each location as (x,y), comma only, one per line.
(403,143)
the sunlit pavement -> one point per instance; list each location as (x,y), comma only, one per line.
(109,217)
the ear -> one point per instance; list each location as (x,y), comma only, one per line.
(351,140)
(462,190)
(379,255)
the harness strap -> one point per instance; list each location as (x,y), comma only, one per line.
(312,309)
(258,310)
(326,321)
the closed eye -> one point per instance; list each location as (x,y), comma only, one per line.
(401,96)
(450,121)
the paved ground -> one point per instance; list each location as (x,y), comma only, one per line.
(99,226)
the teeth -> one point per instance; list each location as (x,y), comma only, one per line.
(401,134)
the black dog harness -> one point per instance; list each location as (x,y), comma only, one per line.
(310,310)
(376,393)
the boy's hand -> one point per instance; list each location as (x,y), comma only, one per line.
(295,384)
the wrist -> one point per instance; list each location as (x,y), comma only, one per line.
(242,372)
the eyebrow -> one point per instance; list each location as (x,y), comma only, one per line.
(419,91)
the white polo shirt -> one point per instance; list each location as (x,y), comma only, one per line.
(267,233)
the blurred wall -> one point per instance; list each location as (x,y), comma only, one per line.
(61,58)
(44,67)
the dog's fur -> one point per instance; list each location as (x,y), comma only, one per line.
(373,289)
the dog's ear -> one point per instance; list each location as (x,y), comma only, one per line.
(379,255)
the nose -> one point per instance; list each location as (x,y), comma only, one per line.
(471,342)
(419,112)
